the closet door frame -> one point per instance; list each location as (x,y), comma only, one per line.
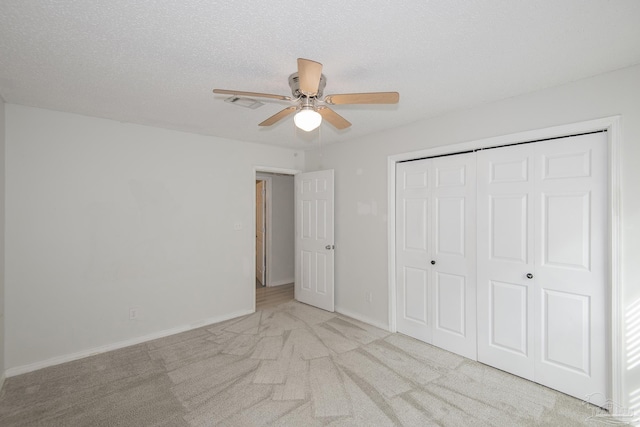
(612,126)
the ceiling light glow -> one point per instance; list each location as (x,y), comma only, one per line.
(307,119)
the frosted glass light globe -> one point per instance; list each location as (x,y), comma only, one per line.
(307,120)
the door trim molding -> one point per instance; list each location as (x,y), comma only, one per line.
(612,125)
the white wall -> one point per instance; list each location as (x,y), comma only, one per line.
(102,216)
(283,231)
(2,195)
(361,181)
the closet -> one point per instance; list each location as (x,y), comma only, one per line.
(501,257)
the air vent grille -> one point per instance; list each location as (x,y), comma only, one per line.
(244,102)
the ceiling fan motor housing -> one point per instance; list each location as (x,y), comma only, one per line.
(294,83)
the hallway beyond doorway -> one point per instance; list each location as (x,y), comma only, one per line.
(273,295)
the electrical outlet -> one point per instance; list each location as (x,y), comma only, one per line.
(237,226)
(369,297)
(134,313)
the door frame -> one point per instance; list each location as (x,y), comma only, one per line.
(257,170)
(612,126)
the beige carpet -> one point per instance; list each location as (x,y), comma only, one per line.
(288,365)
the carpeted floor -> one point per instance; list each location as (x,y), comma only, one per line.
(288,365)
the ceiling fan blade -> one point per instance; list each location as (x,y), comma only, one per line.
(278,116)
(309,73)
(334,118)
(363,98)
(254,94)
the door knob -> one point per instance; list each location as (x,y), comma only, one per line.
(529,276)
(329,247)
(433,262)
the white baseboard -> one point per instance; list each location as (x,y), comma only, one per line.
(121,344)
(362,318)
(282,282)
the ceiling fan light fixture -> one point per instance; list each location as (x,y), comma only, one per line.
(309,105)
(307,119)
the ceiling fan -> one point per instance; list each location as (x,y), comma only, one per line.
(311,108)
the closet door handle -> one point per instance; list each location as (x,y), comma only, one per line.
(433,262)
(529,276)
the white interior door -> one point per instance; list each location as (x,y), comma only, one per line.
(413,250)
(505,257)
(571,266)
(454,253)
(260,231)
(435,252)
(542,263)
(315,239)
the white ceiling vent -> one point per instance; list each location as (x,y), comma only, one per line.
(244,102)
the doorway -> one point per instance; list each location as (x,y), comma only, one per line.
(274,237)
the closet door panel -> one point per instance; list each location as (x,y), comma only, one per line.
(454,261)
(414,310)
(415,295)
(566,233)
(450,297)
(508,317)
(450,216)
(566,331)
(571,225)
(508,218)
(505,257)
(542,263)
(435,252)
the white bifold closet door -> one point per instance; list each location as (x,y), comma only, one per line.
(435,252)
(542,262)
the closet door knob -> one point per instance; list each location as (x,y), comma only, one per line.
(433,262)
(529,276)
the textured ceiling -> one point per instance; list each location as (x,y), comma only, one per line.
(155,62)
